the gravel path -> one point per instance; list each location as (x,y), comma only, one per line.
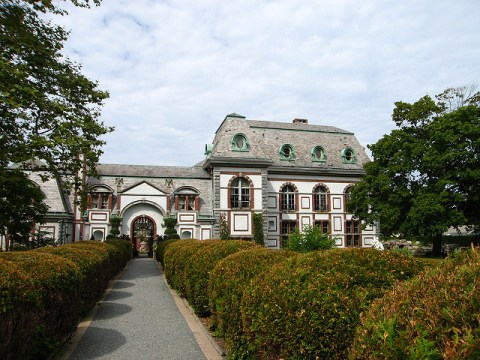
(138,320)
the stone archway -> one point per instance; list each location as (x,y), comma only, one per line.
(143,229)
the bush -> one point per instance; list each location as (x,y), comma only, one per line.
(170,231)
(310,239)
(58,280)
(19,305)
(258,235)
(177,258)
(436,315)
(227,282)
(202,263)
(160,251)
(308,306)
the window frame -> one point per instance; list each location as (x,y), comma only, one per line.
(349,159)
(315,158)
(317,195)
(288,202)
(240,193)
(291,152)
(234,143)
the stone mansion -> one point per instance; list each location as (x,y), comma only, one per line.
(295,174)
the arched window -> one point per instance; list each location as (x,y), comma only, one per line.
(240,193)
(240,143)
(320,196)
(286,152)
(288,198)
(348,156)
(318,154)
(186,199)
(100,198)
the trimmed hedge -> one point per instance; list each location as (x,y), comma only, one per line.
(57,280)
(436,315)
(43,292)
(160,251)
(19,303)
(227,282)
(308,306)
(188,264)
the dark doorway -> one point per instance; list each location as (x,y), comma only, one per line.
(143,230)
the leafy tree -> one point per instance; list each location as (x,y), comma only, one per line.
(17,217)
(310,239)
(49,111)
(425,176)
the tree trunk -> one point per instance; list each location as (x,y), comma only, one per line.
(437,245)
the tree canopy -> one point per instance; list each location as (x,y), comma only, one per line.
(49,111)
(425,174)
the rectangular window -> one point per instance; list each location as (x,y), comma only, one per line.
(94,201)
(288,201)
(240,198)
(321,202)
(104,203)
(353,233)
(324,226)
(288,227)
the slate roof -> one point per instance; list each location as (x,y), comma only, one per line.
(54,199)
(267,137)
(149,171)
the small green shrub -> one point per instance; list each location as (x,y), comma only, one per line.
(258,235)
(310,239)
(308,306)
(435,315)
(160,251)
(170,231)
(227,282)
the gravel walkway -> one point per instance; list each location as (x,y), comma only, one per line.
(138,320)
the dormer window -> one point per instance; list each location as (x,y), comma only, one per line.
(318,154)
(240,143)
(286,152)
(100,198)
(348,156)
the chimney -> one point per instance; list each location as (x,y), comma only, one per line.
(300,121)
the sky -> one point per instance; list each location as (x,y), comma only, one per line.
(175,69)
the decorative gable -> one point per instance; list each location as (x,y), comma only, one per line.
(143,189)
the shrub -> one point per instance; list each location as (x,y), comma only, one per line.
(202,263)
(310,239)
(160,251)
(434,316)
(170,230)
(19,304)
(308,306)
(177,259)
(227,282)
(58,281)
(258,235)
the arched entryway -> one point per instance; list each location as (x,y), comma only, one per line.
(143,231)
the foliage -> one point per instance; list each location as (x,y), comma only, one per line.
(188,264)
(43,292)
(41,238)
(114,225)
(21,205)
(308,306)
(312,238)
(224,234)
(433,316)
(425,176)
(160,251)
(50,112)
(227,283)
(258,235)
(170,230)
(57,280)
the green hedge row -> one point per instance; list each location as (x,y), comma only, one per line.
(228,280)
(188,264)
(433,316)
(308,306)
(44,291)
(160,250)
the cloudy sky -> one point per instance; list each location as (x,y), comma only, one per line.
(175,69)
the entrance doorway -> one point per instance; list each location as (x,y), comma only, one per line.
(143,230)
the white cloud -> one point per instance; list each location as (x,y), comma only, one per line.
(174,69)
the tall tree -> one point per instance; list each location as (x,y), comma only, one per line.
(49,111)
(425,174)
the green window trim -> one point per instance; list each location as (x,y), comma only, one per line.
(240,143)
(318,154)
(286,152)
(349,156)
